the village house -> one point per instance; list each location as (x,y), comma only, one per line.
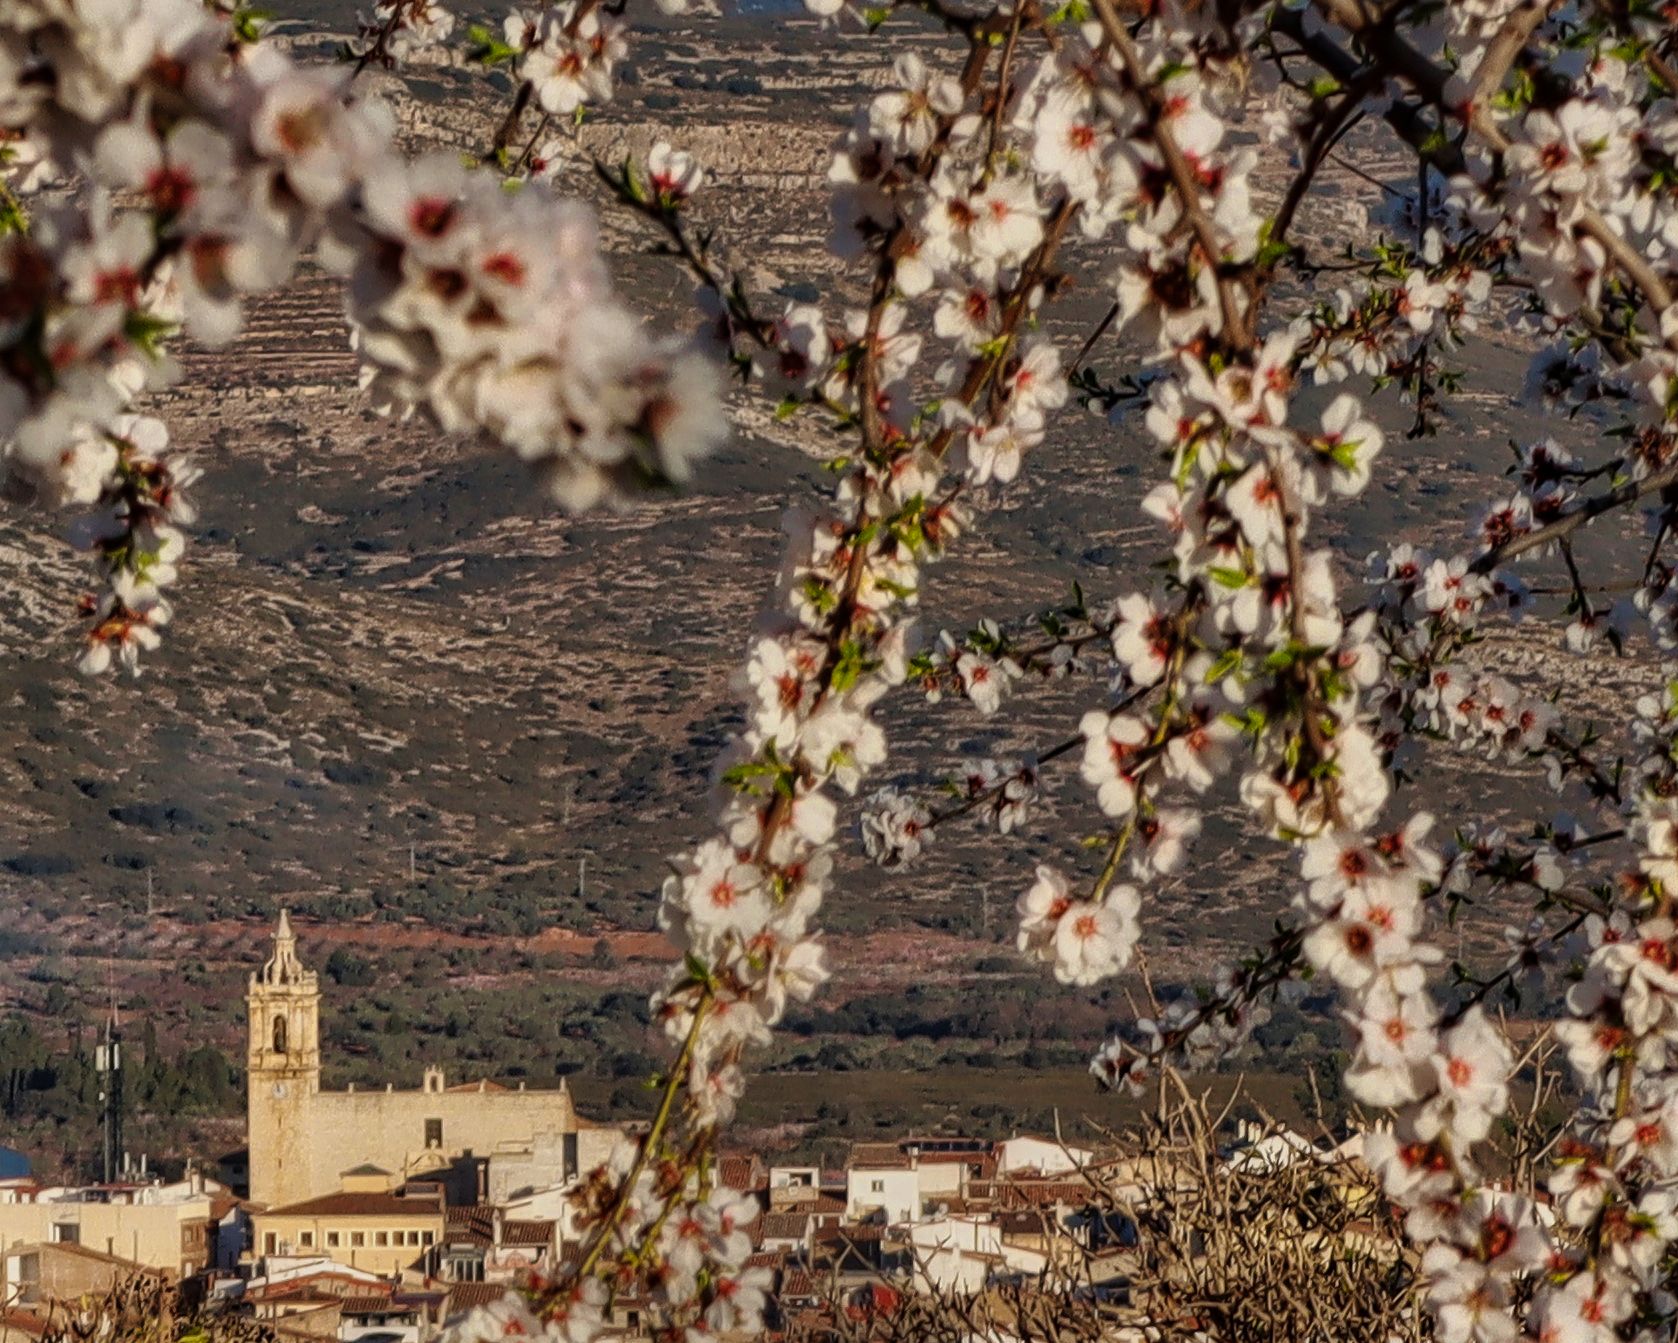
(1046,1156)
(364,1225)
(881,1185)
(173,1227)
(35,1276)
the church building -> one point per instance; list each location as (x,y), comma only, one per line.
(303,1141)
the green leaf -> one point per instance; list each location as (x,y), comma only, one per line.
(1228,661)
(247,23)
(487,47)
(148,333)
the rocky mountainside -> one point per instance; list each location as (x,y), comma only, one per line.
(399,686)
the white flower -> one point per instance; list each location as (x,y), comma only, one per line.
(1111,744)
(1093,942)
(1472,1069)
(674,173)
(721,896)
(1040,908)
(1166,837)
(1141,639)
(841,742)
(894,827)
(1008,221)
(1345,449)
(905,119)
(983,679)
(997,451)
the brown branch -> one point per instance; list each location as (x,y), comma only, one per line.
(1236,333)
(1510,41)
(1369,25)
(1569,523)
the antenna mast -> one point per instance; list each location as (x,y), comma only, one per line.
(108,1064)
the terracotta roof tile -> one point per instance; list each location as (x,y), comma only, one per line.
(742,1173)
(464,1296)
(786,1225)
(798,1282)
(876,1156)
(22,1322)
(372,1305)
(360,1205)
(474,1222)
(527,1233)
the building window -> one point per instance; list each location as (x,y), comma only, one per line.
(270,1242)
(279,1035)
(426,1238)
(66,1233)
(332,1240)
(306,1239)
(382,1238)
(877,1187)
(357,1239)
(434,1133)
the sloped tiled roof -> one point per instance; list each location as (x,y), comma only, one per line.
(744,1174)
(798,1282)
(306,1295)
(1010,1195)
(346,1204)
(87,1252)
(785,1225)
(464,1296)
(325,1281)
(527,1233)
(474,1222)
(372,1305)
(22,1322)
(876,1156)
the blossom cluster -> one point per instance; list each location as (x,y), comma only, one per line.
(490,312)
(742,905)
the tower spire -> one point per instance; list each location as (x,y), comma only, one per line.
(283,967)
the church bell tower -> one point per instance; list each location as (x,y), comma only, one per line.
(283,1071)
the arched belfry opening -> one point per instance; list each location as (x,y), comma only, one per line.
(283,1011)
